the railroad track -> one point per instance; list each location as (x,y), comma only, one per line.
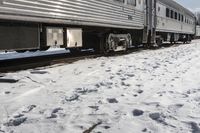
(13,65)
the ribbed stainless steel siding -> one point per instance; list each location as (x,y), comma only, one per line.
(91,12)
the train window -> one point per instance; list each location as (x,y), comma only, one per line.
(120,1)
(140,2)
(179,17)
(172,14)
(131,2)
(158,9)
(182,18)
(176,15)
(167,12)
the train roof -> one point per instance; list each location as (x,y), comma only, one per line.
(176,5)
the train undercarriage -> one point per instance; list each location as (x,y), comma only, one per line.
(23,36)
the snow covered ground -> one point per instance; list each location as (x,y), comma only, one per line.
(15,55)
(153,91)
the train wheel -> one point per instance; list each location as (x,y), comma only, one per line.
(159,41)
(118,42)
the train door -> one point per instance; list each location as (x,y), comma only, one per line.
(149,34)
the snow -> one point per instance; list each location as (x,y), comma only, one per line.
(155,91)
(15,55)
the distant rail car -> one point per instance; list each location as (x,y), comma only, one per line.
(104,25)
(197,35)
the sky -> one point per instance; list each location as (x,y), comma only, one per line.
(193,5)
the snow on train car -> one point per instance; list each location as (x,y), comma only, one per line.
(105,25)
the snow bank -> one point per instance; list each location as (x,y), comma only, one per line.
(154,91)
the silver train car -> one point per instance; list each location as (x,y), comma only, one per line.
(197,35)
(105,25)
(174,22)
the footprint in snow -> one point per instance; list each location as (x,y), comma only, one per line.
(193,91)
(19,118)
(84,91)
(123,79)
(118,73)
(112,100)
(125,84)
(130,75)
(195,127)
(15,121)
(160,118)
(112,77)
(7,92)
(175,108)
(137,112)
(54,113)
(74,97)
(145,130)
(39,72)
(108,70)
(96,108)
(28,108)
(104,84)
(156,104)
(140,91)
(139,85)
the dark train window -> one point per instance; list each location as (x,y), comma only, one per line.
(131,2)
(172,14)
(176,15)
(179,17)
(120,1)
(182,18)
(158,9)
(167,12)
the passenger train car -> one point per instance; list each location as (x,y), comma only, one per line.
(174,22)
(197,32)
(105,25)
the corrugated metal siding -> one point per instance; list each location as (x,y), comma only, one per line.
(165,24)
(94,12)
(168,25)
